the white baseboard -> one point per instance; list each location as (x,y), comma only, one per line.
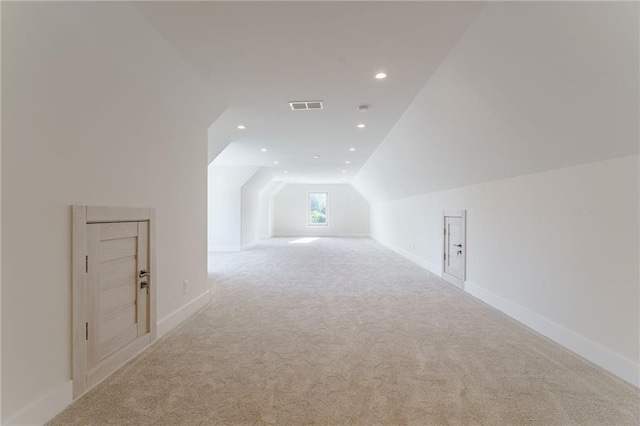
(169,322)
(618,365)
(45,407)
(599,355)
(251,244)
(53,402)
(412,257)
(224,248)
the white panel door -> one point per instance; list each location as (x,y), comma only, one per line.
(114,299)
(453,262)
(117,287)
(454,259)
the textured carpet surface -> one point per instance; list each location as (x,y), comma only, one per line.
(343,331)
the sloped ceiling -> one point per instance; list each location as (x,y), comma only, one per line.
(258,56)
(531,86)
(258,181)
(136,50)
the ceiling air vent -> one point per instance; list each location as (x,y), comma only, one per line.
(305,105)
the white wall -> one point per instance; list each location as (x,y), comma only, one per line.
(562,245)
(225,206)
(348,212)
(251,205)
(96,109)
(265,208)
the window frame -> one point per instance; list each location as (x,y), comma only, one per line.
(308,213)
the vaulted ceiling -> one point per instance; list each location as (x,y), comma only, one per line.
(474,91)
(530,87)
(258,56)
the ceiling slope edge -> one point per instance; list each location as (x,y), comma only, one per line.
(529,87)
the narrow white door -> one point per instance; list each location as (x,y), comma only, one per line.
(454,259)
(453,263)
(117,288)
(114,299)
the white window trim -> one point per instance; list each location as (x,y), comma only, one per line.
(313,225)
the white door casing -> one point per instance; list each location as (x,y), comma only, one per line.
(113,292)
(454,247)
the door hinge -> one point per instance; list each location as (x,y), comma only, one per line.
(86,331)
(86,264)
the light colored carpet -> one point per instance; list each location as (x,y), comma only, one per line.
(343,331)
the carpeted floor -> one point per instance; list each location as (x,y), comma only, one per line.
(343,331)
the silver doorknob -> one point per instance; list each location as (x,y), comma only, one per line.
(143,273)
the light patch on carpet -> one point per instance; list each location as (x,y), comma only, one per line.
(303,241)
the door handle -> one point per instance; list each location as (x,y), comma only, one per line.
(458,245)
(144,273)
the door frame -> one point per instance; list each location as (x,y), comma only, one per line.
(462,214)
(81,217)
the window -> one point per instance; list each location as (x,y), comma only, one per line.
(318,209)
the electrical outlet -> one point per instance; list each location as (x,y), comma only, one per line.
(185,286)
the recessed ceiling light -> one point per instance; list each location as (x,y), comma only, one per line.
(316,156)
(352,149)
(381,75)
(347,162)
(361,126)
(276,162)
(241,127)
(263,149)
